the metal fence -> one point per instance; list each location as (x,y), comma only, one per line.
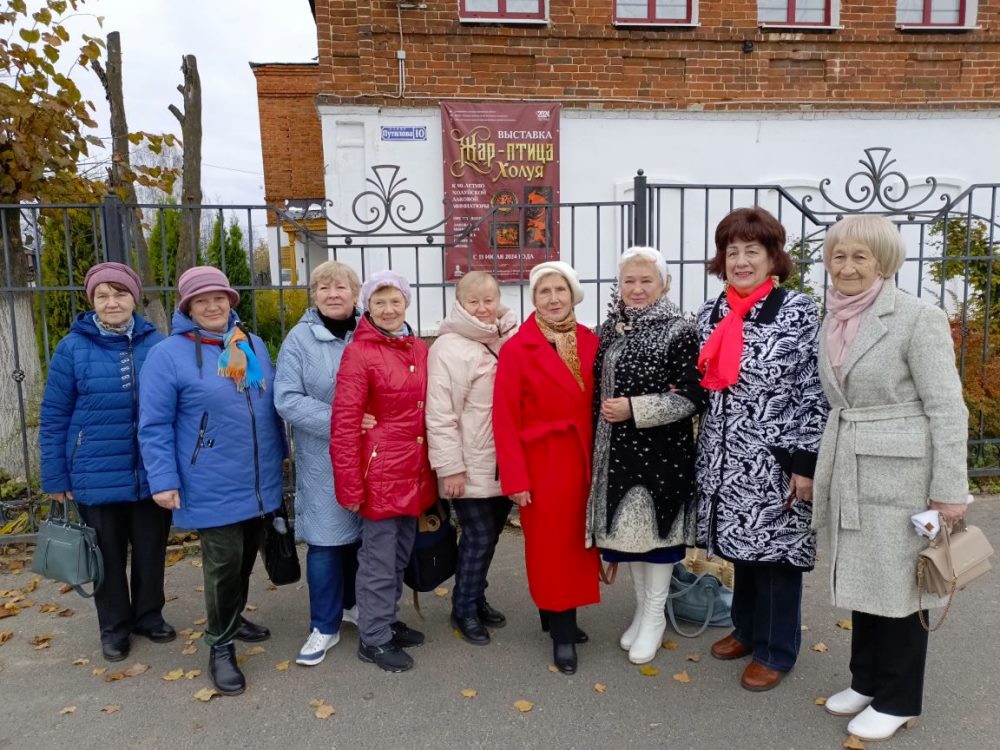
(950,232)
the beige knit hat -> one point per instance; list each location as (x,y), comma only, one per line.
(563,269)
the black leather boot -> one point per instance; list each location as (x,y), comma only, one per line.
(226,674)
(564,656)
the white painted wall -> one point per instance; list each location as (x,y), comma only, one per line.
(601,151)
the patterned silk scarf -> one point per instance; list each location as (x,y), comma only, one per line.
(563,335)
(239,362)
(719,361)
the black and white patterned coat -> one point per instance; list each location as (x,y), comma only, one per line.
(758,432)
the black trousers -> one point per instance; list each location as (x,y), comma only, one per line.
(125,602)
(227,556)
(561,625)
(888,656)
(482,520)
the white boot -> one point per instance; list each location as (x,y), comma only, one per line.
(872,726)
(639,581)
(654,618)
(847,702)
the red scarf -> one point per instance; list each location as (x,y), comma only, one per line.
(719,360)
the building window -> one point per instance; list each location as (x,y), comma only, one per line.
(796,12)
(502,10)
(656,12)
(936,12)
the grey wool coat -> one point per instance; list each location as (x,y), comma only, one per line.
(896,438)
(303,395)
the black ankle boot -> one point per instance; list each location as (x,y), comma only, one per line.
(564,656)
(226,674)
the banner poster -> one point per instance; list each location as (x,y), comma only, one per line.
(503,156)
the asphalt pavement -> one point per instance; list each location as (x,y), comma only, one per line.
(609,704)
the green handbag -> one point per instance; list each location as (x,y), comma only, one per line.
(68,551)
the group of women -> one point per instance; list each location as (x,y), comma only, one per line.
(854,425)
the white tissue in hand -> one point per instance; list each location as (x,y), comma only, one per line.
(927,523)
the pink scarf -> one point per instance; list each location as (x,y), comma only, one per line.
(719,360)
(845,317)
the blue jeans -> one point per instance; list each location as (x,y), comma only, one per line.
(330,572)
(767,612)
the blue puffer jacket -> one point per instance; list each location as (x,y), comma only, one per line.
(220,448)
(90,414)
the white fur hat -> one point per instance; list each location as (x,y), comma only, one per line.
(563,269)
(648,254)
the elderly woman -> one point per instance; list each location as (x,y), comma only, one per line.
(90,454)
(642,502)
(213,446)
(383,474)
(894,446)
(542,424)
(303,394)
(461,370)
(758,441)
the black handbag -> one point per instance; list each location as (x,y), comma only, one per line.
(435,550)
(277,547)
(67,551)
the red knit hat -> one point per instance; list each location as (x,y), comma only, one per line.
(199,280)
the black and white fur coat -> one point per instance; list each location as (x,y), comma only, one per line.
(758,432)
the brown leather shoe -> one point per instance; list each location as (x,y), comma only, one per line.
(730,648)
(758,678)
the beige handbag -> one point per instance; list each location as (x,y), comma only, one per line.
(950,563)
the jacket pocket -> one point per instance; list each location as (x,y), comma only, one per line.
(371,458)
(201,438)
(76,448)
(890,444)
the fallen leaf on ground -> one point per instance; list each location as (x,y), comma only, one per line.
(200,589)
(316,702)
(693,657)
(648,671)
(600,687)
(255,651)
(469,693)
(8,610)
(41,641)
(845,624)
(820,701)
(206,694)
(196,563)
(173,556)
(456,634)
(189,649)
(200,621)
(821,647)
(195,635)
(185,633)
(65,588)
(523,706)
(81,662)
(191,674)
(114,676)
(271,587)
(6,635)
(136,669)
(98,671)
(251,608)
(67,710)
(670,645)
(282,666)
(111,708)
(854,743)
(553,668)
(441,591)
(174,675)
(804,628)
(241,660)
(683,676)
(324,711)
(46,608)
(65,612)
(32,585)
(171,598)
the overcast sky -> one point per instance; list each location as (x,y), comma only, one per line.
(225,36)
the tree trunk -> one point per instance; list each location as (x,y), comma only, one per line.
(20,364)
(190,120)
(119,177)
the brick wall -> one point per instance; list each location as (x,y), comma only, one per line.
(581,59)
(290,134)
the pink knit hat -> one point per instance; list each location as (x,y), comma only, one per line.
(116,273)
(381,279)
(199,280)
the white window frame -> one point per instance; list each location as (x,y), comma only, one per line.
(832,22)
(690,22)
(969,11)
(502,17)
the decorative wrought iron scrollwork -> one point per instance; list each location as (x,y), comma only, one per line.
(879,185)
(18,375)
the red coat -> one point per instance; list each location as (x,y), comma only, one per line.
(543,428)
(385,470)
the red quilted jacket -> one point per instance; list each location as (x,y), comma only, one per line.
(385,471)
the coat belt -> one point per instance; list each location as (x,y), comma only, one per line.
(841,426)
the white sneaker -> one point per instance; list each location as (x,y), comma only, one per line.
(351,615)
(315,648)
(847,703)
(872,726)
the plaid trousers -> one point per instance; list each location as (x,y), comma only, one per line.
(481,521)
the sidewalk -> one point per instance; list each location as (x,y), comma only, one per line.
(425,708)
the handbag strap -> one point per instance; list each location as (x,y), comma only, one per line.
(98,559)
(673,618)
(921,573)
(609,574)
